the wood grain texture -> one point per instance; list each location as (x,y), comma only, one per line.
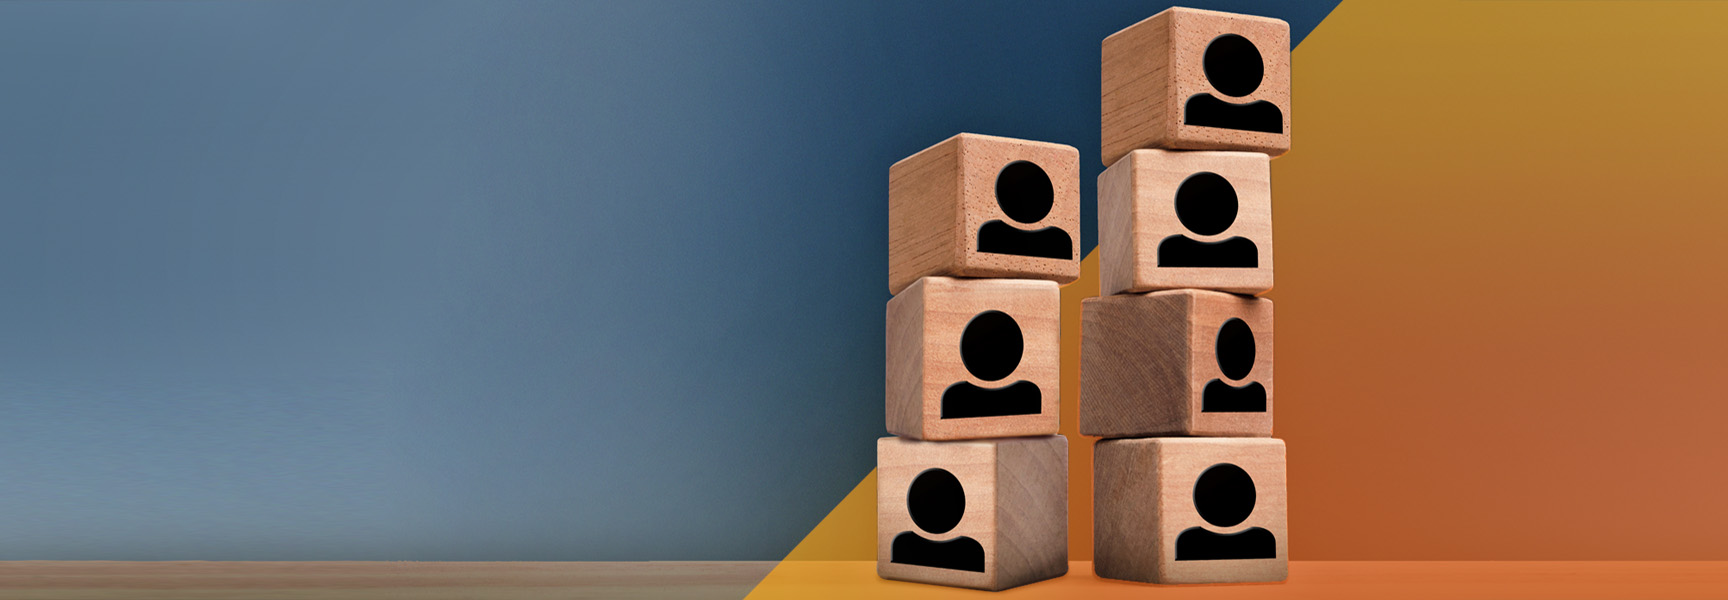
(1016,506)
(925,323)
(1151,68)
(1137,211)
(1145,360)
(1032,510)
(923,213)
(939,198)
(1144,496)
(905,397)
(201,580)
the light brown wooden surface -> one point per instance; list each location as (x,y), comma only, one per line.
(1329,580)
(1146,358)
(1320,580)
(1016,506)
(1151,68)
(1144,496)
(925,324)
(939,198)
(199,580)
(1137,211)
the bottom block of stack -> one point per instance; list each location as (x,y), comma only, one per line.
(989,514)
(1190,510)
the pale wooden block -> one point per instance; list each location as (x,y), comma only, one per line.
(974,358)
(1171,220)
(985,206)
(1192,79)
(1179,362)
(1190,510)
(985,514)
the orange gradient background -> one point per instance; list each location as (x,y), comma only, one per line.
(1503,250)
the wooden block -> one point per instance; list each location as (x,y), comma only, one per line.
(1171,220)
(985,206)
(1190,510)
(1181,362)
(974,358)
(985,514)
(1191,79)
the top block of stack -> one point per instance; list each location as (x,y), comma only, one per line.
(1187,79)
(985,206)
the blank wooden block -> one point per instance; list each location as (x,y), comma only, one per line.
(1170,220)
(1190,510)
(974,358)
(1191,79)
(1181,362)
(985,206)
(985,514)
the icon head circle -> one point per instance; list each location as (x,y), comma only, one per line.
(1224,495)
(936,501)
(1206,203)
(1024,192)
(1233,65)
(992,345)
(1235,349)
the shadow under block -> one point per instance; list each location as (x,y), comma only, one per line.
(985,514)
(1172,220)
(1180,362)
(1188,79)
(984,206)
(974,358)
(1190,510)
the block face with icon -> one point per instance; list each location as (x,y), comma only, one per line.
(1189,79)
(974,358)
(1190,510)
(1169,220)
(1176,363)
(985,206)
(984,514)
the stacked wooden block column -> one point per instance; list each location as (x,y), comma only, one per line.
(973,490)
(1176,356)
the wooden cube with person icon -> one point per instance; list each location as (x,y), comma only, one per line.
(984,514)
(1190,79)
(1176,363)
(1170,220)
(974,358)
(985,206)
(1190,510)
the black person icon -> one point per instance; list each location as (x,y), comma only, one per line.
(936,501)
(1206,204)
(1235,68)
(1025,195)
(1235,350)
(1224,496)
(991,347)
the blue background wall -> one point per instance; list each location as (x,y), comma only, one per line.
(474,281)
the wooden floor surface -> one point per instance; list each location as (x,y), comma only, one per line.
(192,580)
(678,580)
